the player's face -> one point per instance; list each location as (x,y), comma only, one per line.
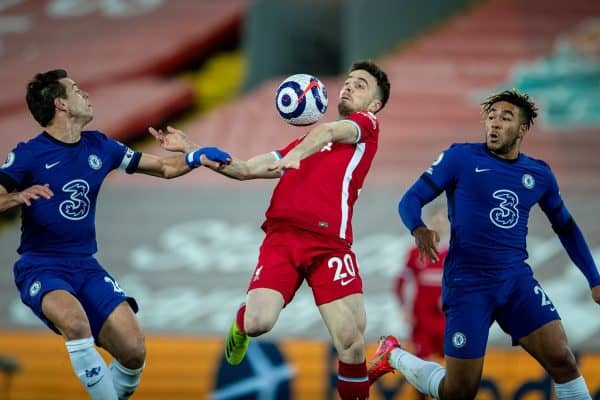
(503,129)
(78,104)
(358,93)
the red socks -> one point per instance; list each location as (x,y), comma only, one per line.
(353,382)
(239,318)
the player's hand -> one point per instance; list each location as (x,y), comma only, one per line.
(427,241)
(33,193)
(172,140)
(287,162)
(596,293)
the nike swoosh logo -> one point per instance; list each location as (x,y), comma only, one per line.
(344,283)
(48,166)
(482,169)
(95,383)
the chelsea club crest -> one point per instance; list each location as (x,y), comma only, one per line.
(94,161)
(528,181)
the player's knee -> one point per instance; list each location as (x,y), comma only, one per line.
(562,363)
(133,354)
(74,327)
(256,325)
(351,343)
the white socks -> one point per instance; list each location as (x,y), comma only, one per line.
(426,377)
(125,380)
(423,375)
(573,390)
(91,369)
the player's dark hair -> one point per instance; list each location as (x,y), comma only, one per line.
(528,108)
(41,92)
(383,83)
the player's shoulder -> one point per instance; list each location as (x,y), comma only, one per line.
(33,144)
(535,162)
(363,116)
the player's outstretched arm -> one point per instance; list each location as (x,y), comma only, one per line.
(35,192)
(177,165)
(341,131)
(257,167)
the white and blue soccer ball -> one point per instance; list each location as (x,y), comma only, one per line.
(301,99)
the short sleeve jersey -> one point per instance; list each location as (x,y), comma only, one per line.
(320,195)
(489,201)
(65,223)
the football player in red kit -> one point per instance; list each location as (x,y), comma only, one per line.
(308,225)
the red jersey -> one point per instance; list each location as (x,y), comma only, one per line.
(320,195)
(427,278)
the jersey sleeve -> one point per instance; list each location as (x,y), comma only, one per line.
(123,158)
(16,168)
(553,206)
(280,153)
(367,125)
(443,172)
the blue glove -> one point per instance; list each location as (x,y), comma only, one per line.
(212,153)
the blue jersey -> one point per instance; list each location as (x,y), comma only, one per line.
(65,223)
(489,200)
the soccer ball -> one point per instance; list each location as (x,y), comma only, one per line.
(301,99)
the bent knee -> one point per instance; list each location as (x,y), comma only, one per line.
(133,352)
(561,364)
(74,327)
(256,325)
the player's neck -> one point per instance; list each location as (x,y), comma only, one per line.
(65,131)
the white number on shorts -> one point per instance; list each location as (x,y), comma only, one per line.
(545,300)
(114,284)
(343,268)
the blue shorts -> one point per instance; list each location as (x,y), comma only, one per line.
(519,305)
(83,277)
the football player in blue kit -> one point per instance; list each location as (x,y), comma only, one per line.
(55,178)
(491,188)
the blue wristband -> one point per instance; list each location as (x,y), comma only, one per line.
(192,159)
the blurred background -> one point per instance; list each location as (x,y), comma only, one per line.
(186,248)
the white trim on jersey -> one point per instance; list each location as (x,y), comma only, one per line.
(126,160)
(359,151)
(276,154)
(359,136)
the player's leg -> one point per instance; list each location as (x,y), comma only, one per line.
(66,313)
(548,345)
(121,335)
(272,285)
(346,321)
(337,288)
(114,325)
(533,322)
(468,317)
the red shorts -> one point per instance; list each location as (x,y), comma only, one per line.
(289,255)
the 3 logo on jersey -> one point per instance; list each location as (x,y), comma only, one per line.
(78,205)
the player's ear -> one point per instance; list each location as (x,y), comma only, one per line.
(60,103)
(375,105)
(523,130)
